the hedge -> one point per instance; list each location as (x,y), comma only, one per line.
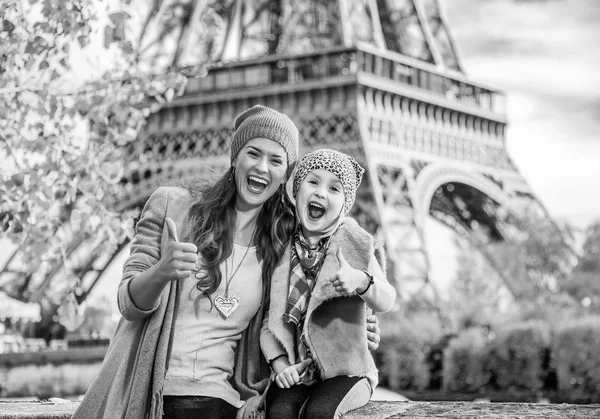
(401,358)
(517,358)
(463,362)
(576,358)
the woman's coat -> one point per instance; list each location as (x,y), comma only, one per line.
(130,382)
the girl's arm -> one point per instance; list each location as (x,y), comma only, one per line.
(371,285)
(380,295)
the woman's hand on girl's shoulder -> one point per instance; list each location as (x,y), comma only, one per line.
(373,332)
(177,260)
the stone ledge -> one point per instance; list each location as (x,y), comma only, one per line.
(374,410)
(37,410)
(472,410)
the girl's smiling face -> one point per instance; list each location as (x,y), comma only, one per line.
(319,202)
(260,169)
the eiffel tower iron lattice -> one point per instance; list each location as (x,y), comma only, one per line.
(378,79)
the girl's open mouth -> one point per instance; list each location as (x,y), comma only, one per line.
(315,211)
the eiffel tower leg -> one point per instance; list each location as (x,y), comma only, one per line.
(408,263)
(405,242)
(392,182)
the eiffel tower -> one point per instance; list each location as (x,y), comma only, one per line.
(380,80)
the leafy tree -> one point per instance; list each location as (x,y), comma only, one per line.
(550,254)
(477,292)
(537,260)
(584,284)
(530,270)
(63,136)
(590,257)
(98,319)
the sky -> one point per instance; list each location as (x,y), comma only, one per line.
(545,55)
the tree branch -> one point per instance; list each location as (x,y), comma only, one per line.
(11,153)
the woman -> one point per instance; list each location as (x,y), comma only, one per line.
(188,342)
(237,229)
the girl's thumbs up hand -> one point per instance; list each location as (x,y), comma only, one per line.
(347,279)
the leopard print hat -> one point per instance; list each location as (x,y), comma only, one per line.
(342,165)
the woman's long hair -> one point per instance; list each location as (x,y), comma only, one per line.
(213,220)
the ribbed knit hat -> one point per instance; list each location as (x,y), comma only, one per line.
(262,122)
(342,165)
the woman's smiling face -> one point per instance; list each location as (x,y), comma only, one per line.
(260,168)
(319,202)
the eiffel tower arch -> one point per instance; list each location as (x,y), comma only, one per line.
(380,80)
(439,158)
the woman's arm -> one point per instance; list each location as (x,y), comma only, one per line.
(286,373)
(145,289)
(152,264)
(271,348)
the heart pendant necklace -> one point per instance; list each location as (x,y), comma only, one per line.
(227,304)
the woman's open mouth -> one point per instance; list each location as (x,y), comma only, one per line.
(257,184)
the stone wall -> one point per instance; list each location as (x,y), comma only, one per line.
(374,410)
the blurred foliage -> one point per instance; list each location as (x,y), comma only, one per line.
(576,358)
(62,138)
(98,321)
(401,357)
(506,305)
(518,357)
(549,250)
(584,284)
(526,360)
(463,362)
(505,308)
(538,259)
(477,292)
(528,276)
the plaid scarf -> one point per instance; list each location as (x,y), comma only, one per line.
(305,266)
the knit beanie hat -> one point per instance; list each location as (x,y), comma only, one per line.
(262,122)
(342,165)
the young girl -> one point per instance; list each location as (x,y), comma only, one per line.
(314,336)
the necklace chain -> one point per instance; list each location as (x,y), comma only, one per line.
(229,278)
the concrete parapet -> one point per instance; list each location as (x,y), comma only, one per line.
(374,410)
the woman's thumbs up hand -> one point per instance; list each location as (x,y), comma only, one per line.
(177,260)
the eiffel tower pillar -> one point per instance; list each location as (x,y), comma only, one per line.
(392,182)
